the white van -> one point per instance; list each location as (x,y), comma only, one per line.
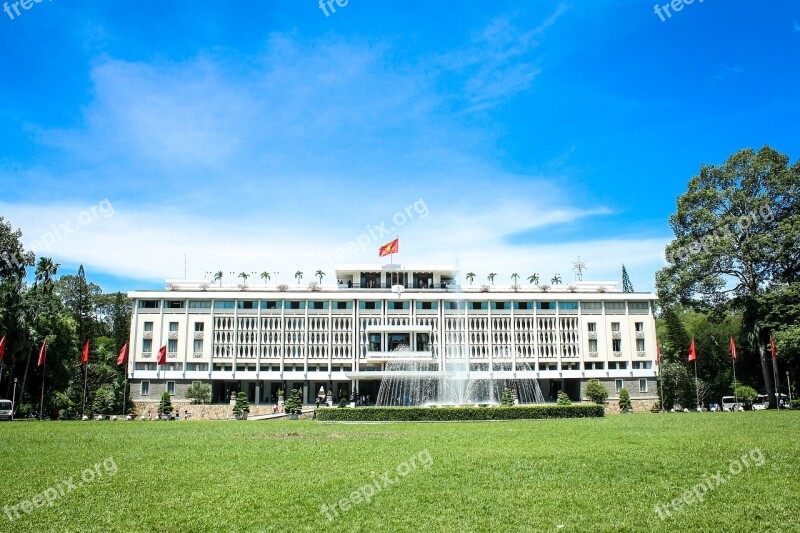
(5,410)
(729,403)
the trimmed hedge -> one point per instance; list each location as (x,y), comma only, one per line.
(444,414)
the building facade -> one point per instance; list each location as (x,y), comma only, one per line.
(340,337)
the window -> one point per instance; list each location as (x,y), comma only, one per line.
(374,342)
(523,305)
(592,326)
(593,345)
(568,306)
(173,326)
(343,305)
(617,384)
(270,304)
(616,345)
(427,305)
(174,304)
(591,306)
(477,306)
(639,326)
(639,306)
(148,304)
(545,305)
(642,365)
(639,345)
(148,326)
(454,305)
(147,345)
(318,305)
(144,388)
(615,326)
(200,304)
(295,305)
(171,387)
(615,306)
(197,367)
(144,366)
(500,305)
(642,385)
(246,304)
(369,305)
(172,346)
(223,304)
(199,327)
(398,305)
(198,345)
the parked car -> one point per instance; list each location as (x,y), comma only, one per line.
(5,410)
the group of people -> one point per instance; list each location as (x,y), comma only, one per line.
(160,415)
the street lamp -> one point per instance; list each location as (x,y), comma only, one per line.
(14,395)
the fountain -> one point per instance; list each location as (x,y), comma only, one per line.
(417,384)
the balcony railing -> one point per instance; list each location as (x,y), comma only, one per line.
(593,354)
(172,355)
(616,354)
(146,355)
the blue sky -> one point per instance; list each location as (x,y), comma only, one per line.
(252,136)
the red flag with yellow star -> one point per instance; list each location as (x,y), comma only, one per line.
(390,248)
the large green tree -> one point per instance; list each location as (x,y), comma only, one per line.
(737,230)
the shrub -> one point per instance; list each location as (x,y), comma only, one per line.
(596,392)
(165,405)
(103,402)
(746,393)
(563,399)
(241,405)
(199,392)
(624,400)
(294,405)
(443,414)
(795,404)
(507,400)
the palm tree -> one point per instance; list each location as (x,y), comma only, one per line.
(320,274)
(491,276)
(265,276)
(515,277)
(299,276)
(45,271)
(244,276)
(217,277)
(470,276)
(556,279)
(533,279)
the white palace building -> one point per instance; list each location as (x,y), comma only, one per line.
(263,338)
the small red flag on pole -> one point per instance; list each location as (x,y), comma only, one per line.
(123,354)
(692,351)
(85,356)
(733,348)
(42,352)
(2,347)
(162,355)
(772,347)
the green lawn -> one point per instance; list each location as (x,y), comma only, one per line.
(547,475)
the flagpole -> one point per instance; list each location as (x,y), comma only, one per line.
(661,386)
(696,388)
(41,402)
(85,378)
(735,396)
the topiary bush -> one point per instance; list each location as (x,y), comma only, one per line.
(294,404)
(596,392)
(507,400)
(624,400)
(445,414)
(563,399)
(242,405)
(165,405)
